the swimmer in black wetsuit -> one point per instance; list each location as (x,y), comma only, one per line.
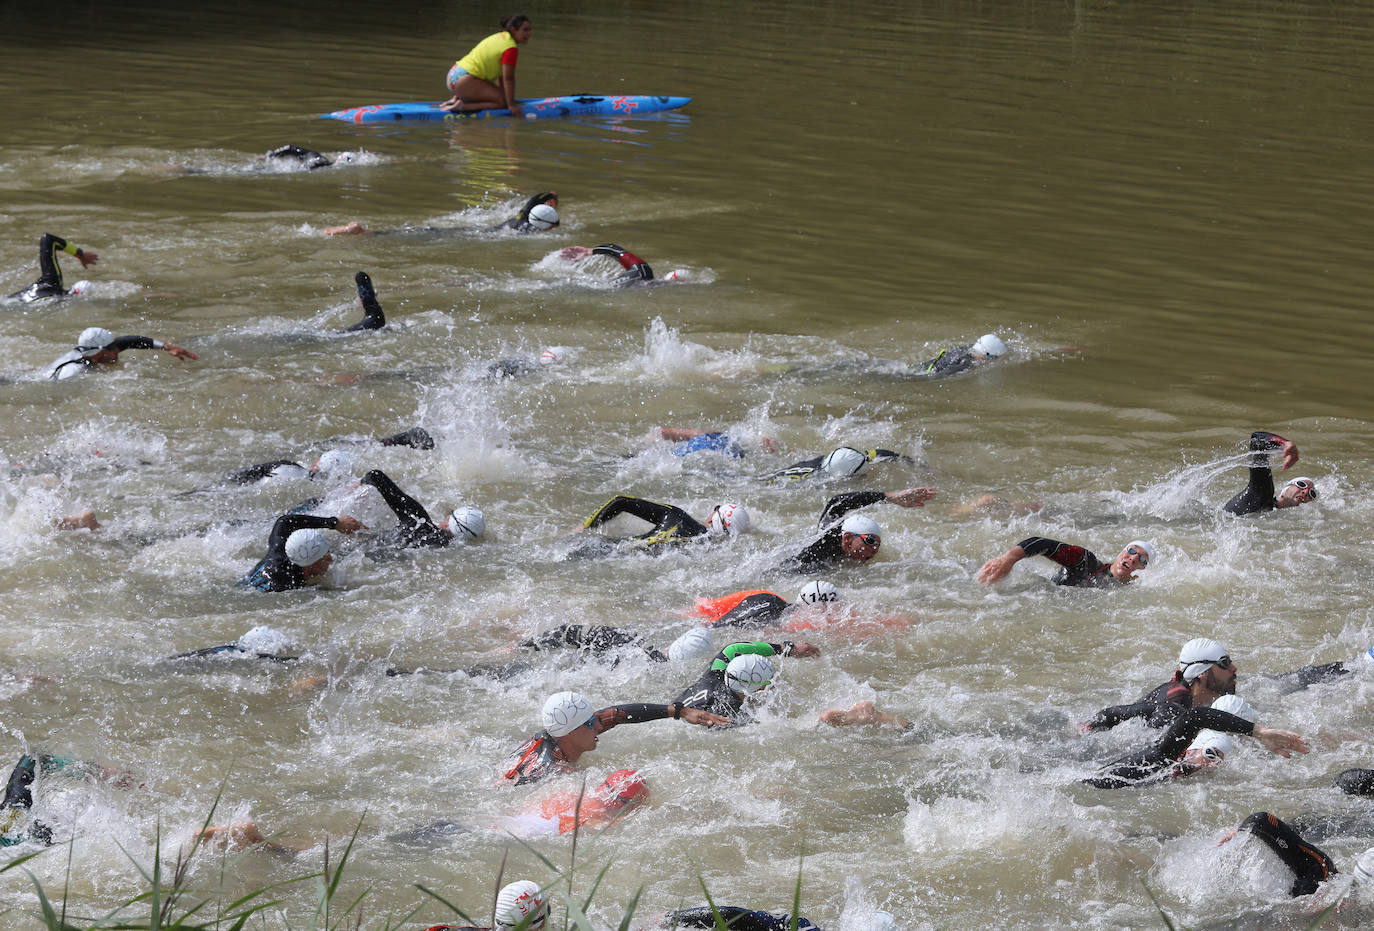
(1258,495)
(572,728)
(1310,865)
(373,318)
(1170,756)
(723,690)
(842,462)
(49,283)
(671,524)
(260,643)
(416,528)
(97,346)
(296,551)
(852,538)
(334,460)
(307,158)
(538,221)
(960,359)
(1205,673)
(1079,566)
(592,639)
(735,918)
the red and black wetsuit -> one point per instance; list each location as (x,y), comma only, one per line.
(1080,566)
(1163,759)
(1309,864)
(636,269)
(1258,495)
(539,757)
(1159,707)
(827,552)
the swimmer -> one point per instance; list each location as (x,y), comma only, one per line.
(416,528)
(850,538)
(595,640)
(1258,495)
(484,78)
(332,461)
(297,552)
(306,158)
(98,346)
(373,318)
(959,359)
(49,283)
(735,918)
(1310,865)
(18,798)
(759,608)
(260,643)
(671,524)
(572,728)
(842,462)
(636,270)
(518,368)
(521,903)
(539,215)
(1079,566)
(1174,755)
(736,675)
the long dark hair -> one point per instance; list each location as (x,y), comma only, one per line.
(514,21)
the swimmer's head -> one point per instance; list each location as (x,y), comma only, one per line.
(565,712)
(730,519)
(695,644)
(1198,656)
(1296,491)
(543,217)
(988,346)
(1137,555)
(521,903)
(81,287)
(1234,704)
(844,462)
(334,461)
(466,523)
(818,594)
(556,354)
(92,340)
(1208,748)
(621,789)
(748,673)
(306,547)
(860,537)
(264,640)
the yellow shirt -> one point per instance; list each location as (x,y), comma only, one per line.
(484,61)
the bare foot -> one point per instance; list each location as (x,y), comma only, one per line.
(351,228)
(452,105)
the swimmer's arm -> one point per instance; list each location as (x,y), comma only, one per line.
(143,342)
(639,712)
(999,567)
(508,87)
(86,257)
(842,504)
(650,511)
(911,497)
(406,508)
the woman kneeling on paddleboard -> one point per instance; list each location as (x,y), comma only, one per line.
(484,78)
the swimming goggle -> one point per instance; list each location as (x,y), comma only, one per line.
(1303,484)
(1223,663)
(871,539)
(591,722)
(1144,560)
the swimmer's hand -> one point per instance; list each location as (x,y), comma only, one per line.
(803,649)
(347,524)
(1284,743)
(911,497)
(1290,454)
(1228,835)
(998,567)
(86,257)
(179,352)
(574,253)
(704,718)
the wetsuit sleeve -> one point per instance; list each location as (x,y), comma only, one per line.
(136,342)
(798,470)
(842,504)
(1192,722)
(373,317)
(1356,782)
(408,511)
(1258,494)
(630,713)
(1156,714)
(288,524)
(262,470)
(1309,864)
(415,438)
(651,511)
(757,646)
(1065,554)
(636,269)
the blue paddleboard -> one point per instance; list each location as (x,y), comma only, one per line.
(536,108)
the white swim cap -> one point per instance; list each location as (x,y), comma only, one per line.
(844,462)
(861,525)
(1147,548)
(518,902)
(730,519)
(543,217)
(81,287)
(818,592)
(1199,655)
(748,673)
(989,345)
(264,640)
(335,460)
(92,340)
(1237,706)
(695,644)
(306,547)
(565,712)
(467,522)
(1364,866)
(1214,743)
(556,354)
